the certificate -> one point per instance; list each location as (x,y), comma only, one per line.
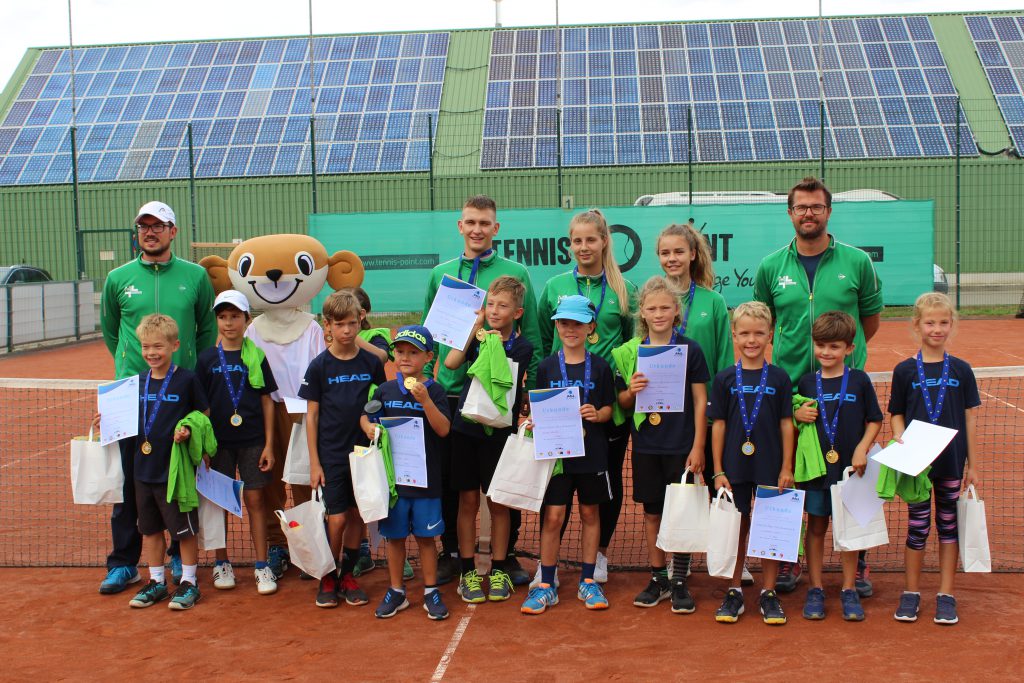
(452,313)
(922,443)
(118,405)
(665,370)
(220,489)
(408,450)
(557,424)
(775,524)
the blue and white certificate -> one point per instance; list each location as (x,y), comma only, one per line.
(775,524)
(665,370)
(219,489)
(118,405)
(408,450)
(452,313)
(557,424)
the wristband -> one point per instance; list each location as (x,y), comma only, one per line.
(720,474)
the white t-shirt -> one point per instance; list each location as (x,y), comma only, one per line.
(289,362)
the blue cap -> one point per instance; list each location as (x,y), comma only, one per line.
(417,335)
(575,307)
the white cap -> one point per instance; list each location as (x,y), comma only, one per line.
(157,210)
(233,297)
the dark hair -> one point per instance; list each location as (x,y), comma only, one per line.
(810,184)
(481,202)
(833,326)
(364,303)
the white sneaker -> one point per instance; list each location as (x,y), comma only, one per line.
(265,582)
(536,578)
(223,576)
(747,578)
(601,569)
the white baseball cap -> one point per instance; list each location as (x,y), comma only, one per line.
(157,210)
(233,297)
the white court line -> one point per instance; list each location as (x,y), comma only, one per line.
(1005,403)
(453,644)
(34,455)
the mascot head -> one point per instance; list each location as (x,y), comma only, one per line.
(282,271)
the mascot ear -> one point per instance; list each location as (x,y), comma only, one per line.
(217,270)
(346,270)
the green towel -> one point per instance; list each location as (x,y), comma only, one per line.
(181,474)
(809,462)
(384,444)
(252,359)
(893,483)
(624,358)
(491,368)
(374,332)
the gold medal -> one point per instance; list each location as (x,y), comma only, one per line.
(593,338)
(747,448)
(410,382)
(655,419)
(832,456)
(147,447)
(481,334)
(236,420)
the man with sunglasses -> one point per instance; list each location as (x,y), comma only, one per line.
(155,282)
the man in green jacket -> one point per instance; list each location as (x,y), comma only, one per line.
(155,282)
(813,274)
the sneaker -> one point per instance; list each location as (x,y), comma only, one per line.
(945,610)
(852,611)
(150,594)
(499,585)
(277,559)
(540,598)
(682,601)
(350,590)
(814,606)
(175,566)
(591,594)
(118,579)
(601,568)
(536,578)
(910,603)
(658,589)
(265,581)
(185,597)
(327,596)
(407,572)
(393,603)
(223,576)
(863,582)
(747,579)
(731,609)
(364,565)
(515,571)
(448,568)
(471,588)
(771,609)
(789,577)
(434,606)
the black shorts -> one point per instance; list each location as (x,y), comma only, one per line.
(338,493)
(474,460)
(157,515)
(652,473)
(246,460)
(743,496)
(591,488)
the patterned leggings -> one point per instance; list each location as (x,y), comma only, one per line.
(946,492)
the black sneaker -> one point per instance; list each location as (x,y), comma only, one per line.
(515,571)
(448,568)
(682,601)
(731,609)
(789,577)
(327,596)
(771,609)
(657,590)
(277,560)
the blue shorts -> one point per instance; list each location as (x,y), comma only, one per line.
(421,516)
(818,502)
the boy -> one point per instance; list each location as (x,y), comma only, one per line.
(167,393)
(847,419)
(476,449)
(574,366)
(752,442)
(237,379)
(412,394)
(336,387)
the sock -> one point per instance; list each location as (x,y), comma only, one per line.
(427,590)
(349,557)
(680,563)
(739,589)
(261,565)
(188,573)
(399,590)
(659,572)
(157,573)
(587,572)
(904,592)
(468,564)
(499,565)
(948,595)
(547,573)
(220,562)
(364,547)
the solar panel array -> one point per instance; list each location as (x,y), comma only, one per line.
(248,102)
(999,42)
(753,87)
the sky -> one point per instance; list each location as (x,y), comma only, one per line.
(44,23)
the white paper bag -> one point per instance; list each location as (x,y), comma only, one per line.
(972,532)
(212,525)
(847,533)
(307,539)
(480,408)
(684,520)
(370,482)
(96,474)
(296,461)
(520,480)
(723,535)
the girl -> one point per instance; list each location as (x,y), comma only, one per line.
(941,389)
(665,445)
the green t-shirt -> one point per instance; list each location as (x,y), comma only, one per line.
(708,325)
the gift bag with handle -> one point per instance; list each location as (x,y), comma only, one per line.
(370,482)
(847,533)
(96,474)
(303,527)
(480,408)
(723,535)
(212,525)
(296,461)
(684,520)
(520,480)
(972,532)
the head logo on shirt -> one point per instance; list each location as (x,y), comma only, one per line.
(952,382)
(405,405)
(170,398)
(786,281)
(341,379)
(748,389)
(829,398)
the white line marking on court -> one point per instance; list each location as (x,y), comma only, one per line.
(33,456)
(996,398)
(453,644)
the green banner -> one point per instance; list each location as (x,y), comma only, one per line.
(399,249)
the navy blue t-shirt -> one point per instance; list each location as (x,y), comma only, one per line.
(961,394)
(763,466)
(398,402)
(520,351)
(859,406)
(674,434)
(183,395)
(250,408)
(601,393)
(810,264)
(342,388)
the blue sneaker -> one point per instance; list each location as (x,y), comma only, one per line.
(118,579)
(150,594)
(185,597)
(277,560)
(910,603)
(852,611)
(539,599)
(945,610)
(393,603)
(434,605)
(731,609)
(591,594)
(814,607)
(175,566)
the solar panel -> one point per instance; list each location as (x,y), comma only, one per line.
(999,43)
(135,101)
(753,87)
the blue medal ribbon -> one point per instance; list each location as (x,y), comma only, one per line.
(507,345)
(235,398)
(689,305)
(400,378)
(579,290)
(831,429)
(748,423)
(586,374)
(476,265)
(672,342)
(150,419)
(936,411)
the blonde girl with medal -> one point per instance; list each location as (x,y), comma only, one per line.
(939,388)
